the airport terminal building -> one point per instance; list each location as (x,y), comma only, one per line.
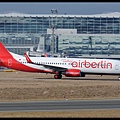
(76,35)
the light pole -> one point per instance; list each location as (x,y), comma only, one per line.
(53,11)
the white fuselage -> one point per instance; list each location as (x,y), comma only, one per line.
(103,66)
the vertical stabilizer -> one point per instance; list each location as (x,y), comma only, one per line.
(4,55)
(3,51)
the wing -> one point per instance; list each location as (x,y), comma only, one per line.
(54,68)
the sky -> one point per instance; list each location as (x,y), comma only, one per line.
(77,8)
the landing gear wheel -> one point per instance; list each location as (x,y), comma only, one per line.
(58,76)
(119,77)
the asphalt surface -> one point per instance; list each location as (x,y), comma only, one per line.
(61,105)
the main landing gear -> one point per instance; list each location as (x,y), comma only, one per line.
(57,76)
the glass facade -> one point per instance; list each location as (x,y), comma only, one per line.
(90,44)
(96,34)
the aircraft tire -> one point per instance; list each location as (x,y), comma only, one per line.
(58,76)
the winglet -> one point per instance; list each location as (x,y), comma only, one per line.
(45,54)
(27,58)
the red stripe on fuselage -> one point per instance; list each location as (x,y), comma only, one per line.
(21,67)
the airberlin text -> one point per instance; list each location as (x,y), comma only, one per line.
(93,64)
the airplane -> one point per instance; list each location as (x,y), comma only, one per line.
(70,67)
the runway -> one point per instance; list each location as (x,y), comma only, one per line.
(61,105)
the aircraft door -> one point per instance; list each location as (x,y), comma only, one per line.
(117,66)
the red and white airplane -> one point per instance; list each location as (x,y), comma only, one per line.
(70,67)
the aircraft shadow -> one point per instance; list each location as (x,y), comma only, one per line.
(96,79)
(102,79)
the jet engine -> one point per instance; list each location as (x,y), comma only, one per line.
(74,73)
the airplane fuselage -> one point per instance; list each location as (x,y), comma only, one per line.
(70,67)
(100,66)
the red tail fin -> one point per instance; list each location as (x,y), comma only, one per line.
(27,58)
(3,51)
(4,54)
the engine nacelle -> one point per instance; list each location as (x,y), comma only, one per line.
(73,73)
